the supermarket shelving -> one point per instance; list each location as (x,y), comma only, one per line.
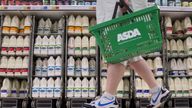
(175,9)
(48,8)
(59,11)
(41,101)
(77,8)
(176,13)
(76,102)
(164,9)
(16,101)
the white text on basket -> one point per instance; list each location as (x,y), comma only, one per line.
(128,35)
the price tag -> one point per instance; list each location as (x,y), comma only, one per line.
(92,8)
(62,7)
(45,8)
(36,7)
(12,7)
(54,7)
(57,7)
(24,7)
(4,7)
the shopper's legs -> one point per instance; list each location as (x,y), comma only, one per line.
(114,75)
(144,72)
(115,71)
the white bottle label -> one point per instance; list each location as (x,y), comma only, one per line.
(70,70)
(85,92)
(40,30)
(35,91)
(78,71)
(57,92)
(51,49)
(43,90)
(58,49)
(71,51)
(51,70)
(58,68)
(38,71)
(43,49)
(92,71)
(47,30)
(4,91)
(78,92)
(23,93)
(85,71)
(14,93)
(69,91)
(92,92)
(44,71)
(50,90)
(37,49)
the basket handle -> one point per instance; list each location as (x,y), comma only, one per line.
(121,4)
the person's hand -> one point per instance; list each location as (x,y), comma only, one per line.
(124,9)
(126,1)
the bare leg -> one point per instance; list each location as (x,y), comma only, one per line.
(114,75)
(143,70)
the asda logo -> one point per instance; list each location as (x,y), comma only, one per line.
(128,35)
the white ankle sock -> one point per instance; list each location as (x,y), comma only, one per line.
(155,90)
(108,95)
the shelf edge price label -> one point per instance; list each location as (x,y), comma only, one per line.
(92,8)
(45,8)
(36,8)
(54,7)
(26,7)
(12,7)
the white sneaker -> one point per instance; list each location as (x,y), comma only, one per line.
(103,102)
(159,98)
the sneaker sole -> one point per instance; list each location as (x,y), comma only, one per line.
(163,100)
(88,106)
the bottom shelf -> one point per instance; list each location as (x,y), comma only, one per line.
(47,103)
(14,103)
(78,103)
(179,103)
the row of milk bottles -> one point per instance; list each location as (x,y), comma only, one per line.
(79,25)
(123,87)
(183,66)
(142,89)
(46,26)
(179,47)
(47,87)
(14,88)
(178,26)
(15,45)
(14,25)
(12,66)
(181,87)
(80,67)
(48,46)
(82,46)
(81,88)
(48,67)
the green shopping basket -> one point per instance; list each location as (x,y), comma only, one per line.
(130,35)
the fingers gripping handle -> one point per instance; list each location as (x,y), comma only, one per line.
(121,4)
